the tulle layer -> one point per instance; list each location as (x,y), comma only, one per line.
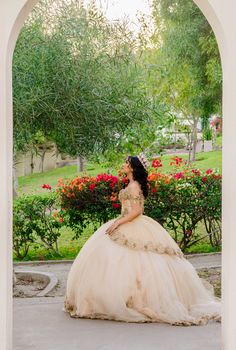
(114,282)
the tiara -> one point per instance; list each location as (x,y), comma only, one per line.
(143,160)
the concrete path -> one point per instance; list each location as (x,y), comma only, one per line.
(40,323)
(205,260)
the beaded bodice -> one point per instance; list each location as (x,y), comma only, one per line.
(126,198)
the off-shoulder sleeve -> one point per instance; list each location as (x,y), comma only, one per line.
(136,198)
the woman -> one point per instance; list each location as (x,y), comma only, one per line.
(132,270)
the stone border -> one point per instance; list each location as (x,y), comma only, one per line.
(50,278)
(201,254)
(45,262)
(42,262)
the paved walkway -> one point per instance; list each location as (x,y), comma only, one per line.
(40,323)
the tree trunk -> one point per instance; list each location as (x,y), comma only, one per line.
(189,150)
(194,139)
(32,162)
(80,164)
(42,157)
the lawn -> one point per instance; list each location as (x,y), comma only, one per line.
(32,183)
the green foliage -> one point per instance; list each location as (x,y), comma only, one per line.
(23,227)
(35,222)
(207,133)
(183,64)
(76,79)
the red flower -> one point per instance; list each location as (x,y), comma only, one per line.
(48,187)
(116,205)
(125,180)
(60,219)
(107,178)
(178,175)
(196,172)
(154,190)
(209,171)
(156,163)
(217,176)
(204,178)
(177,160)
(91,187)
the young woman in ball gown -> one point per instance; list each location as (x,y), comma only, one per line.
(132,270)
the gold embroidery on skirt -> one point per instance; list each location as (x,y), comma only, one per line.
(121,239)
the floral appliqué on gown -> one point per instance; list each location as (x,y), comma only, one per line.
(138,274)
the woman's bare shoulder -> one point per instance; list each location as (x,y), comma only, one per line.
(135,187)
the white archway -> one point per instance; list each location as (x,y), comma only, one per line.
(221,17)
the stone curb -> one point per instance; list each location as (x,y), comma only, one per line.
(208,267)
(38,275)
(42,262)
(45,262)
(201,254)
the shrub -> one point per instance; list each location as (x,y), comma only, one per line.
(89,199)
(36,219)
(183,198)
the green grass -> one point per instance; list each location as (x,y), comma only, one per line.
(219,140)
(204,160)
(32,183)
(68,248)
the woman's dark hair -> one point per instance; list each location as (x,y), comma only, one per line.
(140,174)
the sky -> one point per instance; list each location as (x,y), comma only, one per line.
(117,9)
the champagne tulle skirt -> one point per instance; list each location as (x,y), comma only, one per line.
(138,275)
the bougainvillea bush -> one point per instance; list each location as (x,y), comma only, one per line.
(184,197)
(178,200)
(90,199)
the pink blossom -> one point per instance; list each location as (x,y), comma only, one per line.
(48,187)
(179,175)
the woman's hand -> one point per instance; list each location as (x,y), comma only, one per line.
(112,227)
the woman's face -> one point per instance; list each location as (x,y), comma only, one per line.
(126,167)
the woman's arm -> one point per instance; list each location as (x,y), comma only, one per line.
(136,209)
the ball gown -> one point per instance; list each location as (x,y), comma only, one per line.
(138,273)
